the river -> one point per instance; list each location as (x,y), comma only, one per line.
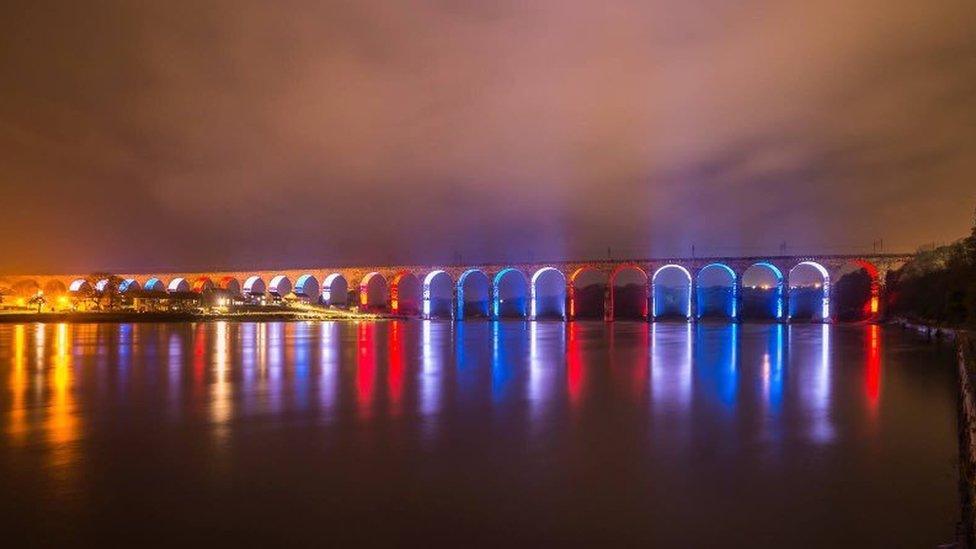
(701,435)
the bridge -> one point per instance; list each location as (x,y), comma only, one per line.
(482,290)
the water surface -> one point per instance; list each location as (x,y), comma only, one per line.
(323,432)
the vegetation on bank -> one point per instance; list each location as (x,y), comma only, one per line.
(938,286)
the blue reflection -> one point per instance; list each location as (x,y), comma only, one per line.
(717,360)
(773,367)
(501,367)
(302,345)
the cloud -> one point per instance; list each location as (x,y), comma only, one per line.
(233,133)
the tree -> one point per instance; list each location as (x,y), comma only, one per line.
(852,292)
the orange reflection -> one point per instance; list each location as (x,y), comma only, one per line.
(18,384)
(61,425)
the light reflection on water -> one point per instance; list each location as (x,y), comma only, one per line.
(510,397)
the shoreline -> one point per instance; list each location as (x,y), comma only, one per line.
(275,315)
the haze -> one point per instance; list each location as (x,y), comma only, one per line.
(193,135)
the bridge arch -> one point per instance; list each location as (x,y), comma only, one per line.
(202,285)
(280,286)
(231,286)
(307,287)
(154,286)
(54,289)
(25,288)
(129,286)
(510,294)
(547,297)
(254,287)
(473,295)
(105,285)
(677,301)
(80,287)
(713,296)
(628,299)
(763,292)
(178,285)
(335,290)
(373,292)
(803,291)
(856,291)
(438,293)
(405,293)
(587,290)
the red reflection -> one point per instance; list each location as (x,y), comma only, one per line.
(199,355)
(872,381)
(640,368)
(366,368)
(574,366)
(395,374)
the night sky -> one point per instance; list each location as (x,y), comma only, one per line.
(195,135)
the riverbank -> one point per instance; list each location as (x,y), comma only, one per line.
(966,348)
(250,315)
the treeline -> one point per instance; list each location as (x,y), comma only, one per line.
(938,285)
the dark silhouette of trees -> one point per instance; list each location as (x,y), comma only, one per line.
(937,285)
(852,292)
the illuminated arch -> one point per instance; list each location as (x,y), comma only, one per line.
(654,287)
(80,286)
(825,290)
(202,284)
(780,284)
(279,286)
(486,310)
(128,286)
(307,286)
(873,307)
(26,288)
(571,291)
(103,285)
(401,302)
(254,286)
(733,309)
(613,290)
(364,289)
(230,285)
(533,292)
(428,291)
(55,288)
(178,286)
(335,289)
(496,289)
(154,285)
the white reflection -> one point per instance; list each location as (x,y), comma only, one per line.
(432,369)
(543,367)
(824,428)
(671,374)
(818,393)
(329,375)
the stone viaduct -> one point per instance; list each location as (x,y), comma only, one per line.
(413,289)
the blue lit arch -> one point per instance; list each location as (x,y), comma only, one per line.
(733,306)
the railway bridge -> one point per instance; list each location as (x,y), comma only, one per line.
(496,290)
